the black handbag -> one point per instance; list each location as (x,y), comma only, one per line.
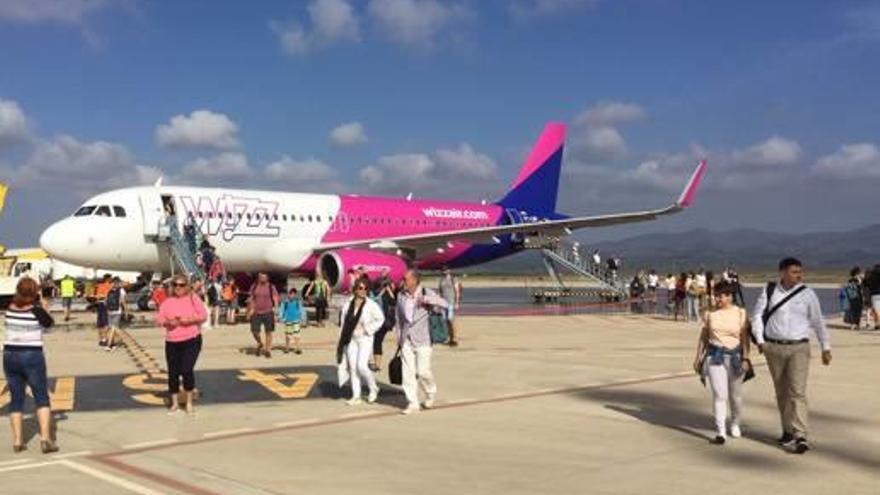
(395,369)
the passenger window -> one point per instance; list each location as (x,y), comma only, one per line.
(84,211)
(319,218)
(103,211)
(310,218)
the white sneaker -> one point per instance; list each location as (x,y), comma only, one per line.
(410,409)
(429,403)
(735,431)
(374,394)
(354,401)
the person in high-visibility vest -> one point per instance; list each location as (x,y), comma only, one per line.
(68,291)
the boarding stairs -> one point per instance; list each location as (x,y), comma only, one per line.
(558,252)
(183,256)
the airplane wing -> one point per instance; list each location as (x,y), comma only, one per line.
(434,240)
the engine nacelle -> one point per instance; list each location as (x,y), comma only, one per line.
(334,266)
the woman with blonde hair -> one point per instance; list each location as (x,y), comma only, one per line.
(24,363)
(182,315)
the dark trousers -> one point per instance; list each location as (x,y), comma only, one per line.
(320,309)
(181,358)
(378,338)
(25,367)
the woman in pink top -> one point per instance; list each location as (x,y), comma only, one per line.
(182,315)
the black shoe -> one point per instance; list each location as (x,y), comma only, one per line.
(785,438)
(718,440)
(800,446)
(297,351)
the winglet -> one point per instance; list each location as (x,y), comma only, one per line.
(690,190)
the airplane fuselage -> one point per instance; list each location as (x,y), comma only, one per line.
(262,230)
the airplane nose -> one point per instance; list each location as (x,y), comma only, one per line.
(58,240)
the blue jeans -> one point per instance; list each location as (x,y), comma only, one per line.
(25,367)
(692,308)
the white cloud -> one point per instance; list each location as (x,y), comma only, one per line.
(396,172)
(774,151)
(596,133)
(201,129)
(465,163)
(546,8)
(83,166)
(348,135)
(604,141)
(851,161)
(608,113)
(222,167)
(460,170)
(415,22)
(332,21)
(292,171)
(13,123)
(58,11)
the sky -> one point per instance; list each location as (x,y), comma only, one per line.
(444,99)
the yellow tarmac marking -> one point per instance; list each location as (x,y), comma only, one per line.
(302,385)
(62,398)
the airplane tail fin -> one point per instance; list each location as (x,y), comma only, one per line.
(537,185)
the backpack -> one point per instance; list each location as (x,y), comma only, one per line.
(852,291)
(437,324)
(113,302)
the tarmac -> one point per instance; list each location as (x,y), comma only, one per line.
(582,403)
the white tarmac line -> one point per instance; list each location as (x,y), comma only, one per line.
(222,433)
(17,461)
(80,453)
(301,422)
(109,478)
(152,443)
(28,466)
(356,414)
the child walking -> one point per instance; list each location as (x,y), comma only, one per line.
(290,311)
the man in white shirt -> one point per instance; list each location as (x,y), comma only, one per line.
(414,304)
(784,341)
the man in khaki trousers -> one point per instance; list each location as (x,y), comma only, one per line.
(781,322)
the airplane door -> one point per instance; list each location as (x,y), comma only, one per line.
(151,211)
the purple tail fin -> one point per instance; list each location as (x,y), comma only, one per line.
(537,185)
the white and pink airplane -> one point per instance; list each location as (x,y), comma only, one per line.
(284,232)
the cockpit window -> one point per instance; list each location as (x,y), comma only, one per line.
(84,211)
(119,212)
(103,211)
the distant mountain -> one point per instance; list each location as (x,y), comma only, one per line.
(742,248)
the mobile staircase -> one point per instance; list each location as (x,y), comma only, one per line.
(181,252)
(560,253)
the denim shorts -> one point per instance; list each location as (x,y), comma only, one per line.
(25,367)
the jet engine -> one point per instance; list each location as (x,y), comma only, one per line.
(334,266)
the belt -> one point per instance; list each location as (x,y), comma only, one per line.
(786,342)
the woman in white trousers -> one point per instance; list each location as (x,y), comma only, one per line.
(723,355)
(360,318)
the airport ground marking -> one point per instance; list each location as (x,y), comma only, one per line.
(109,478)
(15,462)
(152,443)
(152,476)
(302,385)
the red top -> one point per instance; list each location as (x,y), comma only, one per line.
(264,298)
(181,307)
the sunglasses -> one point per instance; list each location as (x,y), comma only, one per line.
(179,285)
(360,288)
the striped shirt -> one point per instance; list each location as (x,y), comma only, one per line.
(24,327)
